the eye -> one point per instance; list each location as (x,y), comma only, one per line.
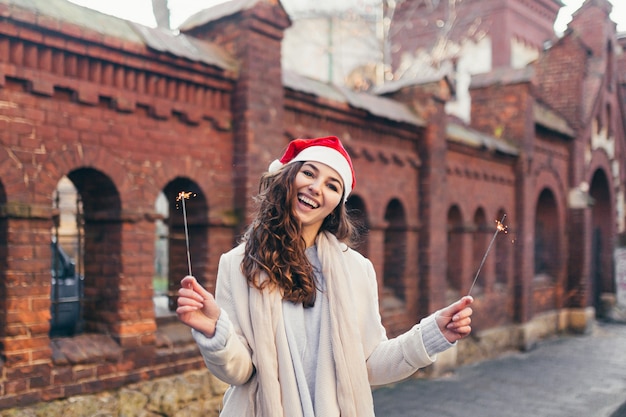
(333,187)
(307,173)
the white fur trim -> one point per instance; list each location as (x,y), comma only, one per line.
(333,159)
(274,166)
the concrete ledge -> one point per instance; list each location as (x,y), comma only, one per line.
(491,343)
(581,320)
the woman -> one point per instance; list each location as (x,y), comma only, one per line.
(294,327)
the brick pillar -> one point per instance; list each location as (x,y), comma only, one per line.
(25,291)
(501,39)
(579,214)
(579,229)
(428,100)
(433,202)
(254,39)
(525,231)
(135,323)
(489,269)
(376,244)
(512,106)
(468,269)
(577,291)
(411,274)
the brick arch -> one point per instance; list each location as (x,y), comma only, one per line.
(600,160)
(357,210)
(196,213)
(456,233)
(549,253)
(480,241)
(503,252)
(601,189)
(12,174)
(549,179)
(61,162)
(102,224)
(548,242)
(465,206)
(395,248)
(603,233)
(99,178)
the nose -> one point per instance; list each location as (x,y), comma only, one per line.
(314,187)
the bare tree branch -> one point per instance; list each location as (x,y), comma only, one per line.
(161,13)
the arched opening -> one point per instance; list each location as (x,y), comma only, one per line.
(357,211)
(195,236)
(101,248)
(503,256)
(161,257)
(546,250)
(454,274)
(601,273)
(67,261)
(479,247)
(395,249)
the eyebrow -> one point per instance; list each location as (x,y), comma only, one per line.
(316,169)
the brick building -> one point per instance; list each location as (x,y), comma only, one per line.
(126,117)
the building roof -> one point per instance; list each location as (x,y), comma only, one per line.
(396,85)
(550,119)
(157,39)
(378,106)
(190,48)
(465,135)
(65,11)
(184,46)
(216,12)
(503,76)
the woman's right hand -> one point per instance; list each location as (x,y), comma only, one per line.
(197,307)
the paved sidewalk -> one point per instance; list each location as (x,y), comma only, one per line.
(572,376)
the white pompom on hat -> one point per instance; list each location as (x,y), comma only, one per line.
(327,150)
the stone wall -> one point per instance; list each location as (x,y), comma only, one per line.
(194,393)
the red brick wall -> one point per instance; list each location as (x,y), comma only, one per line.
(503,110)
(386,163)
(126,123)
(494,194)
(254,37)
(122,123)
(562,72)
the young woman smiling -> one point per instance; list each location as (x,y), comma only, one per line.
(294,326)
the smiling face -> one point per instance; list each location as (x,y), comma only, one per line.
(319,190)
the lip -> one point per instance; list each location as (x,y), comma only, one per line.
(308,197)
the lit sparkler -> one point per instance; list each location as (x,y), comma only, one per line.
(182,196)
(499,228)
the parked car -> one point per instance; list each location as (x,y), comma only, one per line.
(66,294)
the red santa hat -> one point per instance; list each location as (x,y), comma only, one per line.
(327,150)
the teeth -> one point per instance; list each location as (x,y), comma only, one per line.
(308,201)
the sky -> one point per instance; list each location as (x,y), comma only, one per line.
(140,11)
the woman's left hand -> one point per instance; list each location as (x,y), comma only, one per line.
(454,321)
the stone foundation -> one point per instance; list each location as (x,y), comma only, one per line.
(199,394)
(192,394)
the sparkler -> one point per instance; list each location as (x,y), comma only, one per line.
(182,196)
(499,228)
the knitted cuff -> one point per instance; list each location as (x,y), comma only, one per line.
(434,341)
(223,329)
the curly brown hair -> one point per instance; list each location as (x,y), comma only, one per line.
(274,242)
